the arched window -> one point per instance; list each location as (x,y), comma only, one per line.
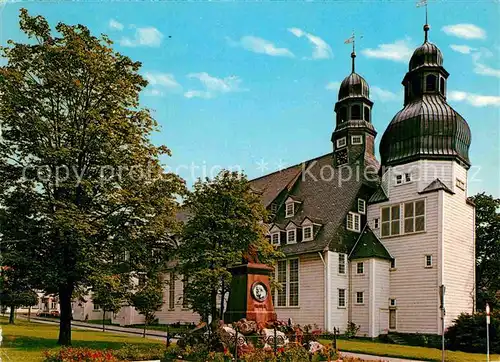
(356,112)
(343,114)
(367,114)
(415,87)
(441,86)
(430,83)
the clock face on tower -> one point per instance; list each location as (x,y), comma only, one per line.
(259,291)
(342,157)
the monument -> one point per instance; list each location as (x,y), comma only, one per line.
(250,295)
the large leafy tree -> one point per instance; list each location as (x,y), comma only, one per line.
(15,291)
(226,220)
(487,249)
(80,180)
(110,292)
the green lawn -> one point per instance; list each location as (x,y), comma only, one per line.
(27,341)
(410,352)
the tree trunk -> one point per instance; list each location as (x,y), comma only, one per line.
(103,320)
(145,324)
(65,293)
(11,315)
(223,291)
(29,314)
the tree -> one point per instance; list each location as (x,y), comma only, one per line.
(15,292)
(80,180)
(110,292)
(148,300)
(487,250)
(226,220)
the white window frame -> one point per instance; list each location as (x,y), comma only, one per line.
(398,180)
(403,178)
(339,298)
(414,217)
(390,221)
(277,233)
(408,177)
(309,227)
(288,206)
(358,293)
(342,262)
(357,137)
(362,206)
(352,219)
(95,307)
(287,284)
(392,302)
(358,264)
(294,231)
(376,223)
(341,142)
(426,259)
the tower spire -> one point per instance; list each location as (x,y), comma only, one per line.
(426,26)
(352,39)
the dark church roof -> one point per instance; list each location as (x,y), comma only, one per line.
(369,246)
(427,127)
(354,85)
(323,200)
(270,186)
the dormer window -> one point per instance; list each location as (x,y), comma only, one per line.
(307,233)
(275,238)
(290,209)
(353,222)
(274,207)
(361,206)
(356,140)
(341,142)
(291,236)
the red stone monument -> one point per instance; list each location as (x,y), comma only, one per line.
(250,295)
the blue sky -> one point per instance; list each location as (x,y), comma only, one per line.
(254,83)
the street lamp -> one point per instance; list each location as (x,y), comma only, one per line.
(487,332)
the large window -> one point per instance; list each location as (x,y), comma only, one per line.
(343,114)
(342,263)
(430,83)
(288,279)
(341,302)
(360,268)
(171,291)
(353,222)
(356,112)
(414,216)
(390,220)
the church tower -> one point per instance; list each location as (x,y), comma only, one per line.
(354,136)
(421,212)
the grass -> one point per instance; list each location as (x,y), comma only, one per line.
(26,341)
(410,352)
(163,327)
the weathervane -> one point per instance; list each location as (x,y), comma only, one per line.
(426,26)
(352,39)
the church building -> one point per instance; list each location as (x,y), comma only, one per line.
(373,243)
(367,241)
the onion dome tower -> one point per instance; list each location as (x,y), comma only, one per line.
(354,136)
(427,127)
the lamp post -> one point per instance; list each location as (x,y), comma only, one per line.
(487,332)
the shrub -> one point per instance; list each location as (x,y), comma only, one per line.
(135,353)
(468,333)
(79,355)
(352,329)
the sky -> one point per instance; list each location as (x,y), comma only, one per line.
(252,85)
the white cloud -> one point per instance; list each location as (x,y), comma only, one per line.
(115,25)
(321,49)
(481,68)
(399,51)
(162,79)
(465,31)
(154,93)
(464,49)
(383,95)
(333,86)
(213,85)
(475,100)
(261,46)
(148,36)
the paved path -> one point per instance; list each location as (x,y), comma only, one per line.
(368,357)
(153,334)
